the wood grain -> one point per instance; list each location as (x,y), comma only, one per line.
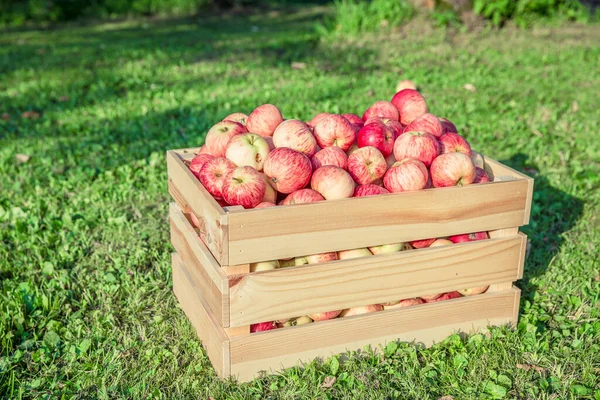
(296,291)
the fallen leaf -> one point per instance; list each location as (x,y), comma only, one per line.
(6,116)
(405,84)
(537,133)
(298,65)
(328,382)
(30,114)
(22,158)
(527,367)
(574,107)
(62,99)
(446,398)
(470,87)
(597,279)
(370,93)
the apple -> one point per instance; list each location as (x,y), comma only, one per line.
(480,176)
(313,122)
(405,84)
(220,134)
(431,297)
(381,109)
(390,160)
(377,134)
(263,326)
(288,170)
(440,242)
(197,162)
(452,169)
(421,146)
(264,119)
(332,182)
(394,125)
(270,193)
(404,303)
(366,165)
(296,135)
(410,104)
(405,176)
(473,291)
(302,196)
(302,320)
(237,117)
(444,296)
(369,190)
(264,266)
(426,123)
(300,261)
(321,258)
(334,130)
(387,248)
(448,126)
(453,142)
(354,119)
(265,204)
(330,156)
(354,253)
(205,150)
(213,173)
(288,263)
(325,315)
(195,221)
(469,237)
(478,159)
(361,310)
(244,186)
(247,149)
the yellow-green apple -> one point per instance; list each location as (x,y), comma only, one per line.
(444,296)
(302,196)
(410,104)
(377,134)
(453,142)
(381,109)
(321,258)
(468,237)
(353,253)
(452,169)
(404,303)
(264,266)
(264,119)
(480,176)
(295,134)
(325,315)
(305,319)
(426,123)
(313,122)
(334,130)
(369,190)
(405,176)
(478,159)
(394,125)
(244,186)
(366,165)
(247,149)
(361,310)
(220,134)
(354,119)
(213,173)
(263,326)
(431,297)
(422,146)
(237,117)
(288,263)
(387,248)
(330,156)
(270,192)
(332,182)
(300,261)
(198,162)
(449,127)
(405,84)
(473,291)
(440,242)
(265,204)
(288,170)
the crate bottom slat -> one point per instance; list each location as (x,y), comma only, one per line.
(245,356)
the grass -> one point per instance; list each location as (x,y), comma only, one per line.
(86,307)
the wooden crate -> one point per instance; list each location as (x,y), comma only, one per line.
(222,298)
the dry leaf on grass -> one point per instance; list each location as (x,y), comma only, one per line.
(30,115)
(6,116)
(298,65)
(446,398)
(574,107)
(328,382)
(597,279)
(22,158)
(470,87)
(527,367)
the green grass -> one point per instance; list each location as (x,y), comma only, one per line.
(86,307)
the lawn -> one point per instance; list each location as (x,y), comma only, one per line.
(86,302)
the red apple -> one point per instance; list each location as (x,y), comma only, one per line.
(440,242)
(321,258)
(354,119)
(394,125)
(421,244)
(406,176)
(270,193)
(381,109)
(452,169)
(213,173)
(480,176)
(426,123)
(445,296)
(302,196)
(468,237)
(405,84)
(332,182)
(453,142)
(237,117)
(431,297)
(422,146)
(404,303)
(361,310)
(474,291)
(449,127)
(390,160)
(195,221)
(313,122)
(325,315)
(264,119)
(354,253)
(366,165)
(295,134)
(198,161)
(205,150)
(478,159)
(288,170)
(334,130)
(248,149)
(244,186)
(369,190)
(220,134)
(262,326)
(265,204)
(410,104)
(377,134)
(330,156)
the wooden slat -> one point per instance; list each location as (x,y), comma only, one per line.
(214,340)
(205,272)
(427,323)
(295,291)
(187,191)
